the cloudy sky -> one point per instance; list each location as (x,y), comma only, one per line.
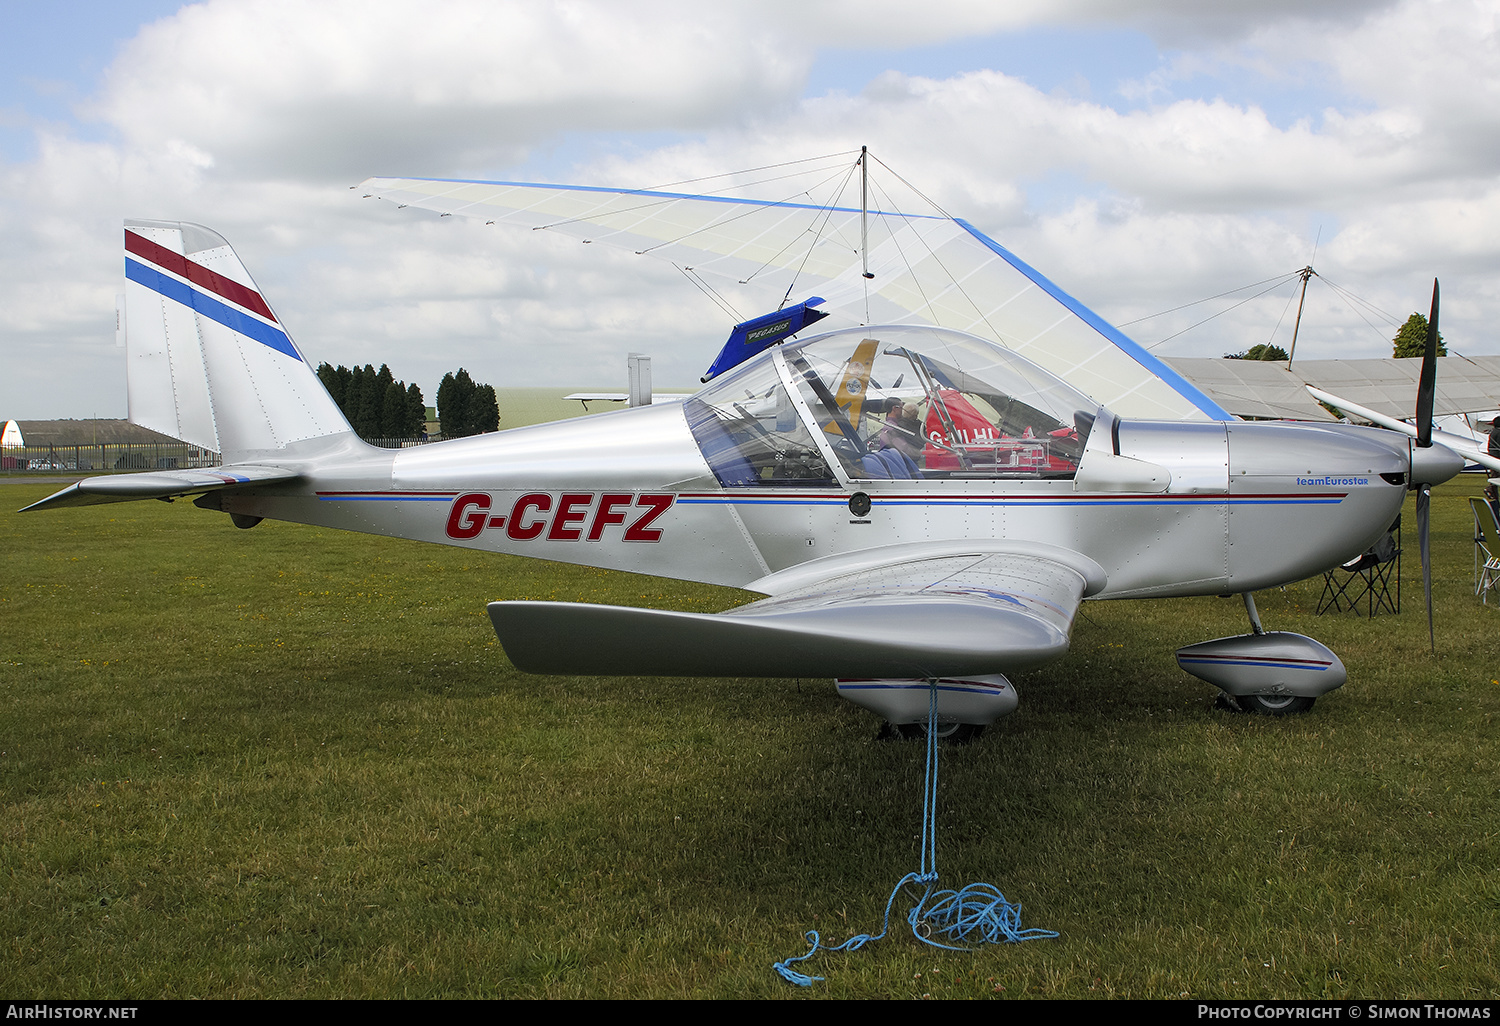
(1144,154)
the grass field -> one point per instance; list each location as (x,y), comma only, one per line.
(291,762)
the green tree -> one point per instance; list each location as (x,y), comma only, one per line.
(453,395)
(360,405)
(465,407)
(1264,351)
(484,410)
(374,403)
(333,380)
(393,419)
(416,412)
(1411,340)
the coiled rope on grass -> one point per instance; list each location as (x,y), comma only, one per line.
(975,914)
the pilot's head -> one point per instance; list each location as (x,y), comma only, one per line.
(902,430)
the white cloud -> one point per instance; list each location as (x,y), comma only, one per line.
(252,116)
(331,89)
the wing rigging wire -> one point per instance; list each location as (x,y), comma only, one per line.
(752,170)
(1356,304)
(759,205)
(660,201)
(1278,279)
(709,291)
(957,285)
(920,194)
(1221,313)
(817,237)
(926,302)
(1282,319)
(1350,299)
(1387,316)
(932,252)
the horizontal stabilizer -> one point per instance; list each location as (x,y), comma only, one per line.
(940,617)
(166,484)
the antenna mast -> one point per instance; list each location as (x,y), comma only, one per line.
(1306,273)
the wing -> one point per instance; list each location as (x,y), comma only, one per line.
(924,268)
(923,616)
(161,485)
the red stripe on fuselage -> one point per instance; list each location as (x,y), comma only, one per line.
(199,275)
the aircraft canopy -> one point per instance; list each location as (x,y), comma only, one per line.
(888,402)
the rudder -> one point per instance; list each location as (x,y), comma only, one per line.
(207,360)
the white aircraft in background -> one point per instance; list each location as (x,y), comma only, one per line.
(1022,494)
(1470,446)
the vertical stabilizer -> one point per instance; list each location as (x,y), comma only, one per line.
(207,360)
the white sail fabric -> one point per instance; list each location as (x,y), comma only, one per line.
(925,268)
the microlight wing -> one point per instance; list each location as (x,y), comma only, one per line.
(927,268)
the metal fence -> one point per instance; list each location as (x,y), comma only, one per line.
(110,456)
(105,456)
(401,443)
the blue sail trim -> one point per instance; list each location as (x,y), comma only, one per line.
(652,194)
(1131,348)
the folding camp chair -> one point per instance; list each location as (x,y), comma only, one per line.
(1372,578)
(1486,549)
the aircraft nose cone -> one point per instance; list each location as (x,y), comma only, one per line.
(1434,464)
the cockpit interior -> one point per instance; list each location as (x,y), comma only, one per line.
(893,402)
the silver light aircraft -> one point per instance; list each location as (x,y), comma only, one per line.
(915,503)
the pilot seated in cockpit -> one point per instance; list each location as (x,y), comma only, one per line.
(893,452)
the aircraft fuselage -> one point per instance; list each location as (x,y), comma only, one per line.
(1248,506)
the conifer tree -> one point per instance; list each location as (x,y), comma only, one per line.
(374,403)
(466,408)
(484,410)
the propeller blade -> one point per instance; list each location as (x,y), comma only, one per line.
(1427,385)
(1424,499)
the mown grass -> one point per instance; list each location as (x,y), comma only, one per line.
(522,406)
(295,762)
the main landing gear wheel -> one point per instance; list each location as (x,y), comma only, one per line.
(1276,705)
(948,733)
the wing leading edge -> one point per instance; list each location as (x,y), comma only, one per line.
(937,616)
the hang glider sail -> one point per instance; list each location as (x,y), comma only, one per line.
(789,233)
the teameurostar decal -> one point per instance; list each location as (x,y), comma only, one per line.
(1332,482)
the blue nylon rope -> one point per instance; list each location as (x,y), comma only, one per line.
(977,913)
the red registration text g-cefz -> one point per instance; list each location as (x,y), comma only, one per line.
(569,516)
